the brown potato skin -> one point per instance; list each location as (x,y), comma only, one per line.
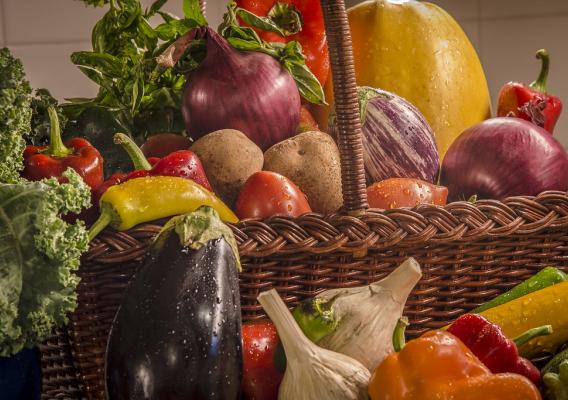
(311,160)
(229,158)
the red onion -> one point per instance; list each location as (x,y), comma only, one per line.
(504,157)
(397,140)
(247,91)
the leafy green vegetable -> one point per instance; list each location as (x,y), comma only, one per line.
(290,54)
(38,254)
(15,116)
(123,64)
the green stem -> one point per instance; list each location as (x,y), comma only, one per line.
(532,334)
(287,17)
(56,147)
(398,340)
(134,152)
(104,220)
(540,83)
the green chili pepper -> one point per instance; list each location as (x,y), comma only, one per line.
(556,383)
(544,278)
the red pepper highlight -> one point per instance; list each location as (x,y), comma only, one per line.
(499,353)
(302,20)
(531,103)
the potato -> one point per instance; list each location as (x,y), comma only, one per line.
(311,161)
(229,158)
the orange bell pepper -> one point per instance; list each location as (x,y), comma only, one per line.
(439,366)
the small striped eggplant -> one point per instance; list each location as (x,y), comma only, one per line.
(177,333)
(397,140)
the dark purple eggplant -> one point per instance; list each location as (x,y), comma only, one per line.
(177,333)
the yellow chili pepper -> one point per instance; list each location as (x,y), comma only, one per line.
(544,307)
(149,198)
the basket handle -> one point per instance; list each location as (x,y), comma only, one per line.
(349,135)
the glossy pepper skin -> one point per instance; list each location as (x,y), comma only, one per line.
(531,102)
(51,161)
(150,198)
(261,377)
(303,21)
(181,163)
(438,366)
(488,342)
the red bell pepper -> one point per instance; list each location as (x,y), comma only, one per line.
(302,20)
(499,353)
(531,103)
(51,161)
(261,376)
(181,163)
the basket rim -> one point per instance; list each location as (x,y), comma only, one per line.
(461,222)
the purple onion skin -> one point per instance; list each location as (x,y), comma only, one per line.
(397,140)
(504,157)
(247,91)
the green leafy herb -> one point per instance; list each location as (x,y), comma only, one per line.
(290,54)
(15,116)
(123,63)
(38,254)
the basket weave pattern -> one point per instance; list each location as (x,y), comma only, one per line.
(469,253)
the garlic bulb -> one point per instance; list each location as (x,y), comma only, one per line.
(312,373)
(367,315)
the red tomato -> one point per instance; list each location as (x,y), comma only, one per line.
(162,144)
(405,192)
(267,193)
(261,378)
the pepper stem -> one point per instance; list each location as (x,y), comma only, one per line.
(532,334)
(101,223)
(134,152)
(287,17)
(56,147)
(398,340)
(540,83)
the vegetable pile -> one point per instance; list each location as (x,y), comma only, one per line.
(207,126)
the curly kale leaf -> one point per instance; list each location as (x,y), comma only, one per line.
(39,253)
(15,116)
(95,3)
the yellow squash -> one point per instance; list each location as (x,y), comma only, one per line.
(548,306)
(418,51)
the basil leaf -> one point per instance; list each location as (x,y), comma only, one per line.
(308,85)
(264,23)
(105,63)
(155,8)
(192,11)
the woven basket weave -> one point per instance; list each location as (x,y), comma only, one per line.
(469,252)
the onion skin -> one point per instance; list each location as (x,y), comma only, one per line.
(397,140)
(504,157)
(246,91)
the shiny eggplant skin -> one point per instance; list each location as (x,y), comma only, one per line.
(177,334)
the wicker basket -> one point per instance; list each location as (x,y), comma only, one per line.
(469,252)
